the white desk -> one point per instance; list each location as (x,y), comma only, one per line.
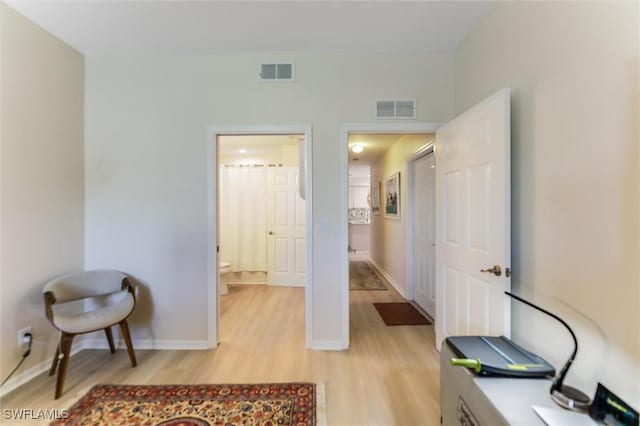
(466,399)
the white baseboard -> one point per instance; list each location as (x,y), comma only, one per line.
(327,345)
(388,277)
(261,283)
(287,285)
(145,344)
(94,343)
(31,373)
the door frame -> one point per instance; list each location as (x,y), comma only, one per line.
(423,151)
(343,224)
(213,296)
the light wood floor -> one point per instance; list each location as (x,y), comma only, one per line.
(389,376)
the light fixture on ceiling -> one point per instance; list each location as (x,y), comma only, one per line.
(357,148)
(242,151)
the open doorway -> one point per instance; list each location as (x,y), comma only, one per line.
(260,227)
(473,220)
(383,236)
(262,215)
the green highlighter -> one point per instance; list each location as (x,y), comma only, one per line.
(476,365)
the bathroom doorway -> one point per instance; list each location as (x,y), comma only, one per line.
(262,237)
(262,214)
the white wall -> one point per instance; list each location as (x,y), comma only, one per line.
(360,237)
(389,236)
(573,71)
(42,192)
(146,118)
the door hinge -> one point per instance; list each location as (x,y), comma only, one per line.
(217,249)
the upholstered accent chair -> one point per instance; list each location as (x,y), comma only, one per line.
(84,302)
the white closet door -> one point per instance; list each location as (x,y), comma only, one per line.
(424,233)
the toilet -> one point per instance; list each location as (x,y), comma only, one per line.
(223,269)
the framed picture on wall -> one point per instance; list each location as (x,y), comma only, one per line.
(375,199)
(392,196)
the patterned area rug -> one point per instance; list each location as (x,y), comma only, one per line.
(196,405)
(363,277)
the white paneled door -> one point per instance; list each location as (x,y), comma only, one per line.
(424,233)
(286,240)
(473,221)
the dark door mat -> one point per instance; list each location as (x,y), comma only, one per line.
(400,314)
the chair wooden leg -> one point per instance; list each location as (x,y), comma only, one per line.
(124,329)
(109,334)
(66,340)
(54,363)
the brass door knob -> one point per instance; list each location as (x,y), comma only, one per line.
(496,270)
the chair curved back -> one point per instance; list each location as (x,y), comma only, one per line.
(80,285)
(113,299)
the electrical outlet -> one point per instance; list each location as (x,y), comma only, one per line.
(22,339)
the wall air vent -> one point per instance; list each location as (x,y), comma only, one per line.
(396,108)
(277,72)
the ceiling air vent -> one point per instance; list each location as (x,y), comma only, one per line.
(398,108)
(277,72)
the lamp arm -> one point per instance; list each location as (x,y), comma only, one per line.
(557,382)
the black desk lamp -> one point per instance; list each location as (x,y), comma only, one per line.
(563,395)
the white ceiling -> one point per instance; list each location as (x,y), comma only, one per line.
(375,145)
(257,146)
(117,27)
(270,147)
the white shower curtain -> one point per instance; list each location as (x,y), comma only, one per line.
(243,217)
